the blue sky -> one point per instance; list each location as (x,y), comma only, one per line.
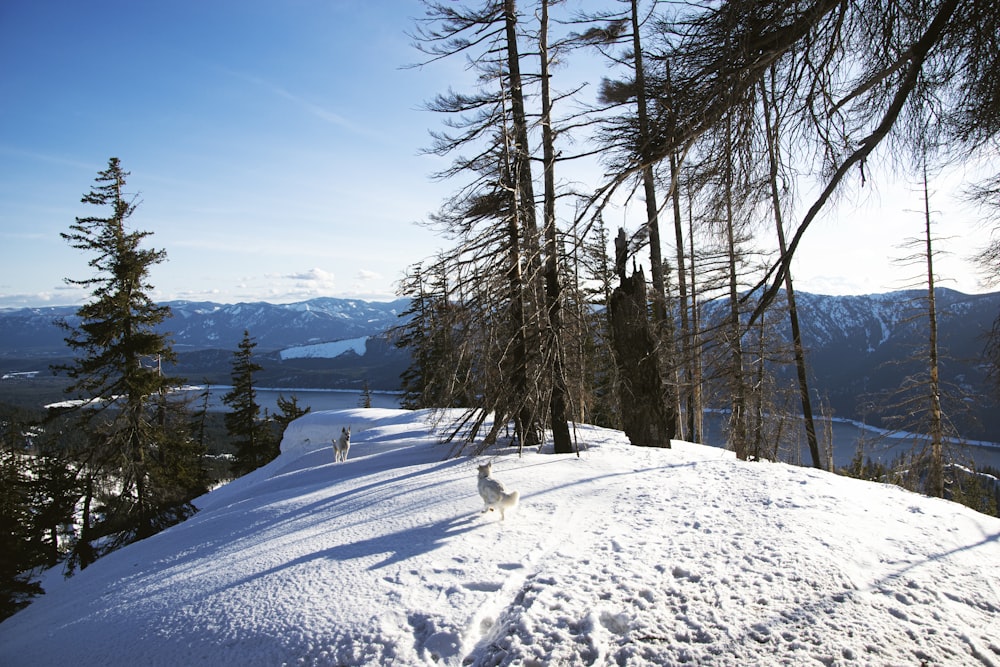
(275,148)
(274,145)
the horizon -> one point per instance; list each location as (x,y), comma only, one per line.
(937,288)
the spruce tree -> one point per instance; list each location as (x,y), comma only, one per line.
(16,530)
(288,411)
(254,443)
(118,370)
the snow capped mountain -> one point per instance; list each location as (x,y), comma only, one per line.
(859,348)
(871,321)
(867,322)
(204,325)
(854,344)
(619,556)
(276,327)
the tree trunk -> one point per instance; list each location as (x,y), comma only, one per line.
(553,298)
(696,415)
(793,313)
(648,418)
(688,403)
(737,417)
(935,481)
(528,414)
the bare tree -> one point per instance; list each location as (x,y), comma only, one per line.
(769,105)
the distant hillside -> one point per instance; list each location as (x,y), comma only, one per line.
(857,345)
(32,332)
(205,336)
(861,346)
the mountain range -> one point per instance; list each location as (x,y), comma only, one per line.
(859,347)
(205,335)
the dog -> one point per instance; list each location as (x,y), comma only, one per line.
(342,445)
(494,495)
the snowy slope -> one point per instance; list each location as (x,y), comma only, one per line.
(621,556)
(326,350)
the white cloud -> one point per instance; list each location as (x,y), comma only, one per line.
(366,276)
(314,277)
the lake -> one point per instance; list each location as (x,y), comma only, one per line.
(317,399)
(845,435)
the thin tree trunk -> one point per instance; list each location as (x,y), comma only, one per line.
(553,298)
(737,418)
(685,333)
(697,412)
(936,478)
(793,314)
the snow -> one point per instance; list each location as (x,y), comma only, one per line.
(621,556)
(329,350)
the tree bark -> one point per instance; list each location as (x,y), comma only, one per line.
(793,313)
(524,210)
(562,442)
(935,481)
(648,418)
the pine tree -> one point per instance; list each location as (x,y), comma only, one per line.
(254,443)
(289,411)
(16,524)
(365,401)
(119,370)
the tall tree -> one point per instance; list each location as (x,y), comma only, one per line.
(118,373)
(554,349)
(254,444)
(935,482)
(769,105)
(495,222)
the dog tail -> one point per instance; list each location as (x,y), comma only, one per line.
(510,499)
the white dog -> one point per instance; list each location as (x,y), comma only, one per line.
(493,493)
(342,445)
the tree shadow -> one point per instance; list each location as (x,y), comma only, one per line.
(397,547)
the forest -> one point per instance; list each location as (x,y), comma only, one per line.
(715,119)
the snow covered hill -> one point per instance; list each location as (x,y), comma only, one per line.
(330,350)
(621,556)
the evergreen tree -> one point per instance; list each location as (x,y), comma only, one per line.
(289,411)
(118,373)
(366,395)
(255,445)
(16,527)
(179,472)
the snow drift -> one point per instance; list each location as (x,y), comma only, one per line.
(620,556)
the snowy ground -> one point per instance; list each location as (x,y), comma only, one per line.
(623,556)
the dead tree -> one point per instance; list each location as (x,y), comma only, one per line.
(648,416)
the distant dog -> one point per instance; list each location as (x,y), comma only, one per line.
(342,445)
(493,493)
